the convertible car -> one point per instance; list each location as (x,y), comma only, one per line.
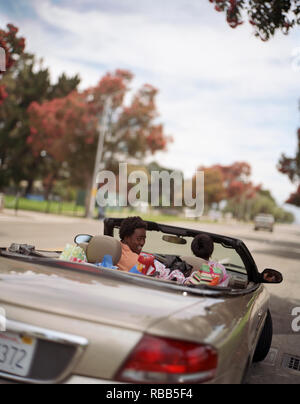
(74,322)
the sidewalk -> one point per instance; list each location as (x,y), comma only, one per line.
(25,216)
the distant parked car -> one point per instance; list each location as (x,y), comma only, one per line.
(264,221)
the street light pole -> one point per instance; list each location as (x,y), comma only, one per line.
(103,126)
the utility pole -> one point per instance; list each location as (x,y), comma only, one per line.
(103,127)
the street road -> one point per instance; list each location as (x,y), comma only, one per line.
(279,250)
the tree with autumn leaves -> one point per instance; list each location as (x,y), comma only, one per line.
(67,129)
(228,183)
(243,199)
(49,131)
(266,16)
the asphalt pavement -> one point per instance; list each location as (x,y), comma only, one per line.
(279,250)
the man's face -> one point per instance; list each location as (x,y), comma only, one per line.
(136,241)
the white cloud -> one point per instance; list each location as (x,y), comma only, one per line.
(187,51)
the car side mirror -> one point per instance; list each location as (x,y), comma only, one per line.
(271,276)
(82,238)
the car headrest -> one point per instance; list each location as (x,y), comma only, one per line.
(84,246)
(195,262)
(103,245)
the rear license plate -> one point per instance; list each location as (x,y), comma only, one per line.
(16,353)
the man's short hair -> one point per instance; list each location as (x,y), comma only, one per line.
(129,225)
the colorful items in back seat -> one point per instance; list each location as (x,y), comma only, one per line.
(145,265)
(107,262)
(162,272)
(134,270)
(148,265)
(212,274)
(73,253)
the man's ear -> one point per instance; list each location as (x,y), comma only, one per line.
(125,240)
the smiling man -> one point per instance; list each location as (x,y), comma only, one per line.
(133,238)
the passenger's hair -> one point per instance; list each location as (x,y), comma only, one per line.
(203,246)
(129,225)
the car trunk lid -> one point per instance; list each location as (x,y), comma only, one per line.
(90,297)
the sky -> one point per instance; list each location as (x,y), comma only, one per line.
(224,95)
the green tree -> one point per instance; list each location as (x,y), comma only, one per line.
(13,47)
(64,86)
(26,82)
(263,202)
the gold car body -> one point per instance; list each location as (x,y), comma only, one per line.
(103,316)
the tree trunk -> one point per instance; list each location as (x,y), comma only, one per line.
(48,184)
(29,186)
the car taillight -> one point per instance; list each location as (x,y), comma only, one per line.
(165,360)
